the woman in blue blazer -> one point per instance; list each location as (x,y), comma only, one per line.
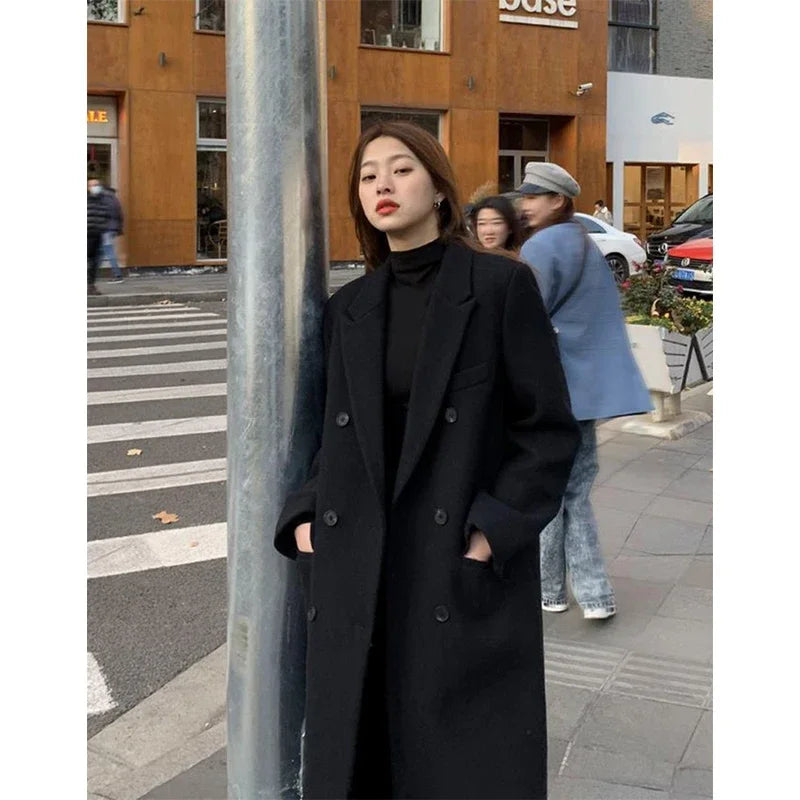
(581,297)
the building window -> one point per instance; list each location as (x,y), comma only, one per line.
(105,10)
(632,33)
(414,24)
(212,183)
(429,120)
(655,194)
(210,15)
(522,139)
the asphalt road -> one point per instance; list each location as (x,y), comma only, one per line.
(156,591)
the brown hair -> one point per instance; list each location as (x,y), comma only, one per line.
(452,225)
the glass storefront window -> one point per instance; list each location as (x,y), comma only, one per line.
(632,33)
(210,15)
(521,139)
(429,120)
(212,180)
(105,10)
(654,194)
(99,163)
(211,119)
(414,24)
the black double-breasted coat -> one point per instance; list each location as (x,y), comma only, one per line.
(489,444)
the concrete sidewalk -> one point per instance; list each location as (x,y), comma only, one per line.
(629,699)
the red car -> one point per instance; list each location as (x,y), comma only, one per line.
(690,265)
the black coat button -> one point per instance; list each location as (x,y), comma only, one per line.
(342,418)
(440,517)
(330,518)
(311,614)
(450,414)
(441,613)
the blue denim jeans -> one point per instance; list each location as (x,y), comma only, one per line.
(110,253)
(569,543)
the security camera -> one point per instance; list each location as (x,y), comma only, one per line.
(584,87)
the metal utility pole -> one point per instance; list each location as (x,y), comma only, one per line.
(277,285)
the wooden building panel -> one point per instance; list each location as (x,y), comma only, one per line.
(167,26)
(410,80)
(209,64)
(342,35)
(473,152)
(163,156)
(591,161)
(537,68)
(161,242)
(473,21)
(106,56)
(344,128)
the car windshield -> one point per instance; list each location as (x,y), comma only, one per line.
(700,212)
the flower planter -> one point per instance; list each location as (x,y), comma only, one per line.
(669,362)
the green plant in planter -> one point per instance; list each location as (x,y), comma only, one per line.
(647,299)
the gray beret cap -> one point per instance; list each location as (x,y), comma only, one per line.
(544,176)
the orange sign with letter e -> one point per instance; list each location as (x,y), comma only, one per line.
(96,115)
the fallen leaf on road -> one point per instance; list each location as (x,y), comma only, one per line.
(193,544)
(134,452)
(166,517)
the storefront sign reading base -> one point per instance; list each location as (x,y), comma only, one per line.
(543,9)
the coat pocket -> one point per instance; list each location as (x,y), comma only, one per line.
(469,376)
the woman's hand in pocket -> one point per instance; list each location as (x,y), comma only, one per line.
(302,537)
(478,549)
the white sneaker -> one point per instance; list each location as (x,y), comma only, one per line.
(599,613)
(554,607)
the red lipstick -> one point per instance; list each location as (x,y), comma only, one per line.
(386,207)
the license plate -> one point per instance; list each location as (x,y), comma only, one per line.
(683,274)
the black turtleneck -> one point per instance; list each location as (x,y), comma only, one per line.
(411,277)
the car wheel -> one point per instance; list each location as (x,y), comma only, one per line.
(618,265)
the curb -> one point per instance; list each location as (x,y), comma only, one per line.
(166,734)
(103,300)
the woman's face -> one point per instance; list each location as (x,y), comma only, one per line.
(397,194)
(540,209)
(491,228)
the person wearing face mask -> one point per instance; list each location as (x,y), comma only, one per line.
(496,224)
(447,441)
(98,219)
(581,297)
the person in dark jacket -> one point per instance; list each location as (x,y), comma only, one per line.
(113,230)
(581,297)
(97,222)
(447,442)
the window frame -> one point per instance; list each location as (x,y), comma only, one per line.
(652,27)
(208,143)
(197,27)
(122,7)
(443,43)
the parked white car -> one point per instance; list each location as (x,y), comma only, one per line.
(623,251)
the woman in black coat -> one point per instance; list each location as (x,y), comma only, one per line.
(446,447)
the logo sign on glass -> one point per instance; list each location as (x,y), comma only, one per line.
(553,13)
(95,115)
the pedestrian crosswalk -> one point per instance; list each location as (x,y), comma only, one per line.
(156,405)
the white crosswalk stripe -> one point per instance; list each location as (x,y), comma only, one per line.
(124,403)
(138,337)
(151,351)
(158,369)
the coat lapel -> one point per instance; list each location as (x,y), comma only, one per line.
(451,304)
(363,344)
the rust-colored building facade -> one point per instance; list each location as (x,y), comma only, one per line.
(497,80)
